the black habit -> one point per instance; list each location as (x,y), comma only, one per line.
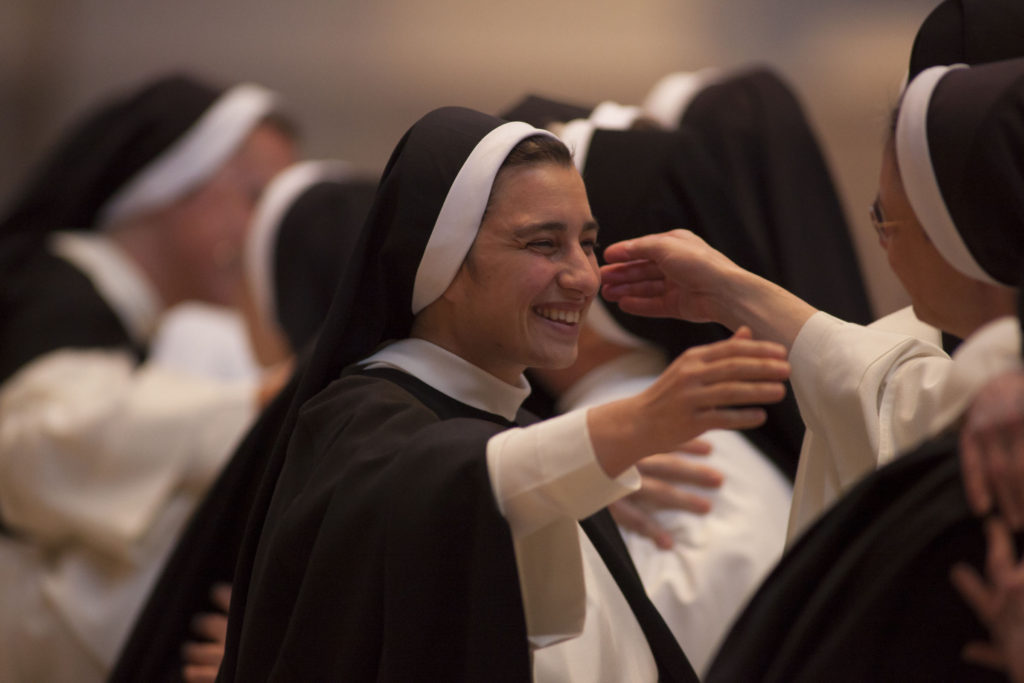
(865,594)
(382,554)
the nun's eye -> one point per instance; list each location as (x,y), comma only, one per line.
(590,246)
(542,245)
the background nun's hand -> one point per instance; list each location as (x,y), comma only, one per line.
(274,379)
(201,659)
(992,448)
(998,602)
(663,477)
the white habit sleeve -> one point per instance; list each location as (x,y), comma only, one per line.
(867,395)
(545,478)
(92,446)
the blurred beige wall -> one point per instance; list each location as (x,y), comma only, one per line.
(356,73)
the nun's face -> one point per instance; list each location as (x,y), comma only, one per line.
(519,298)
(208,226)
(940,294)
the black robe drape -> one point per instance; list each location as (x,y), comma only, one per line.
(865,594)
(384,556)
(46,304)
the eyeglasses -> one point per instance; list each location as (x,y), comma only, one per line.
(882,226)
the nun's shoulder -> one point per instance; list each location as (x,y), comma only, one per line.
(367,412)
(355,400)
(48,304)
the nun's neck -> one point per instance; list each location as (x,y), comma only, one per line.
(991,303)
(430,327)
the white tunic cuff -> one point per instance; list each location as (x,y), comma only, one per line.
(549,471)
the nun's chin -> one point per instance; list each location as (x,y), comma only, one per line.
(555,344)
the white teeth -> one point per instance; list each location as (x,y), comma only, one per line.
(570,317)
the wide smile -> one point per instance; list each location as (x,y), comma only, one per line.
(560,316)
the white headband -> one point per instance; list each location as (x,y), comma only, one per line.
(672,94)
(578,133)
(195,156)
(463,210)
(614,116)
(266,223)
(918,174)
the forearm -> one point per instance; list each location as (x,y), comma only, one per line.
(618,437)
(771,312)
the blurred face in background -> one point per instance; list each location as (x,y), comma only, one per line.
(205,230)
(941,295)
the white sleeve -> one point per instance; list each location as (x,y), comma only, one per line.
(869,394)
(92,446)
(545,478)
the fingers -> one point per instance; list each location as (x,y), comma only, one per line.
(676,469)
(992,448)
(202,654)
(727,395)
(984,654)
(201,661)
(660,495)
(617,274)
(999,562)
(646,307)
(695,447)
(220,594)
(739,345)
(211,626)
(632,250)
(974,477)
(632,517)
(973,590)
(731,418)
(652,247)
(1000,475)
(1011,493)
(199,674)
(743,369)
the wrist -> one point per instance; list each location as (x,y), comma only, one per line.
(770,311)
(616,435)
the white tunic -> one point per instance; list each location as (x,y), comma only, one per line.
(101,463)
(206,340)
(868,394)
(545,478)
(717,559)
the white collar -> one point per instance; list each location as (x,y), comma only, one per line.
(120,282)
(453,376)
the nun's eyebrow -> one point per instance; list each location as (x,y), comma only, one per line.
(532,229)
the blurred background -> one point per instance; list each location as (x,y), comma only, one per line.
(357,73)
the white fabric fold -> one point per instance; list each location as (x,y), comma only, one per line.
(868,394)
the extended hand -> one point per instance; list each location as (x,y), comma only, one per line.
(202,658)
(999,603)
(672,274)
(715,386)
(676,274)
(992,448)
